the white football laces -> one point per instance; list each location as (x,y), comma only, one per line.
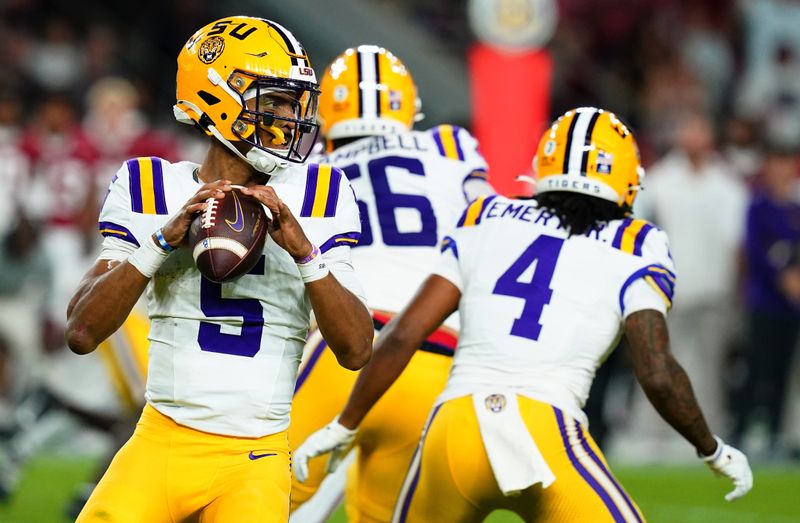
(210,214)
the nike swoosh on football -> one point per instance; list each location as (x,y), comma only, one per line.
(259,456)
(239,222)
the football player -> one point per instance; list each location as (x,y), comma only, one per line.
(411,186)
(211,443)
(545,288)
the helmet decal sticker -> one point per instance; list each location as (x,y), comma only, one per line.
(211,49)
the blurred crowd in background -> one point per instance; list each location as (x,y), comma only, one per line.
(711,89)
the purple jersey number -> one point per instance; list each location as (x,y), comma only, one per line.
(211,338)
(387,203)
(537,293)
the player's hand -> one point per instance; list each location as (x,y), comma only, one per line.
(284,228)
(732,463)
(177,227)
(333,438)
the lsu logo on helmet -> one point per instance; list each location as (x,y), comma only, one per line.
(590,151)
(210,49)
(367,91)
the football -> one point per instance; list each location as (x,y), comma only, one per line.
(227,239)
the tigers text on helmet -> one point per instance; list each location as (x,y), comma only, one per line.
(589,151)
(367,91)
(248,81)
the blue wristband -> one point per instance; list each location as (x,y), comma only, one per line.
(162,242)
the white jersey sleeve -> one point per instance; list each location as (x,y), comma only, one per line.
(328,195)
(456,143)
(451,265)
(448,264)
(652,286)
(134,206)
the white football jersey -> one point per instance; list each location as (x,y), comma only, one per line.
(540,310)
(411,189)
(223,357)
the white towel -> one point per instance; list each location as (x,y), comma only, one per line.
(516,461)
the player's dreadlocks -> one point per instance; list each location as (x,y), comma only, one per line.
(580,213)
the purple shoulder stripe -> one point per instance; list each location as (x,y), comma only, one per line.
(311,190)
(349,239)
(117,231)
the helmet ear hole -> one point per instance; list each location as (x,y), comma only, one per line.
(205,122)
(208,98)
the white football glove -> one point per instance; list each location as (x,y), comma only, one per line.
(333,438)
(732,463)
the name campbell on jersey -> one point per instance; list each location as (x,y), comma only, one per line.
(230,348)
(543,315)
(411,188)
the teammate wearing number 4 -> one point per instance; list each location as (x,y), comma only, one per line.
(545,288)
(211,444)
(411,188)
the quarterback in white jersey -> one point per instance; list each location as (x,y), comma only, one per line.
(223,358)
(411,187)
(545,287)
(195,323)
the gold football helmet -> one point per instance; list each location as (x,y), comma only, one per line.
(367,91)
(590,151)
(232,76)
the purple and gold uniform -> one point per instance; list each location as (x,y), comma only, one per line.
(540,311)
(223,358)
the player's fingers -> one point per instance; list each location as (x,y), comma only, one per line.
(735,493)
(742,486)
(264,193)
(195,208)
(334,461)
(270,202)
(205,194)
(301,468)
(224,185)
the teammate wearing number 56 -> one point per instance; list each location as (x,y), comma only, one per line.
(411,188)
(211,444)
(545,288)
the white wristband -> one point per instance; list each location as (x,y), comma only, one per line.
(315,268)
(148,258)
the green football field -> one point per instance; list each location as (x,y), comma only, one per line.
(665,494)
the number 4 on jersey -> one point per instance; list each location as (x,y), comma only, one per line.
(537,292)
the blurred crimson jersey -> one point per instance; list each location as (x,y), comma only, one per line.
(14,175)
(63,176)
(144,142)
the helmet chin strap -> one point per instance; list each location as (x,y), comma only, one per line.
(260,160)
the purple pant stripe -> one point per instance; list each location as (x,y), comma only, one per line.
(592,454)
(587,477)
(413,487)
(312,360)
